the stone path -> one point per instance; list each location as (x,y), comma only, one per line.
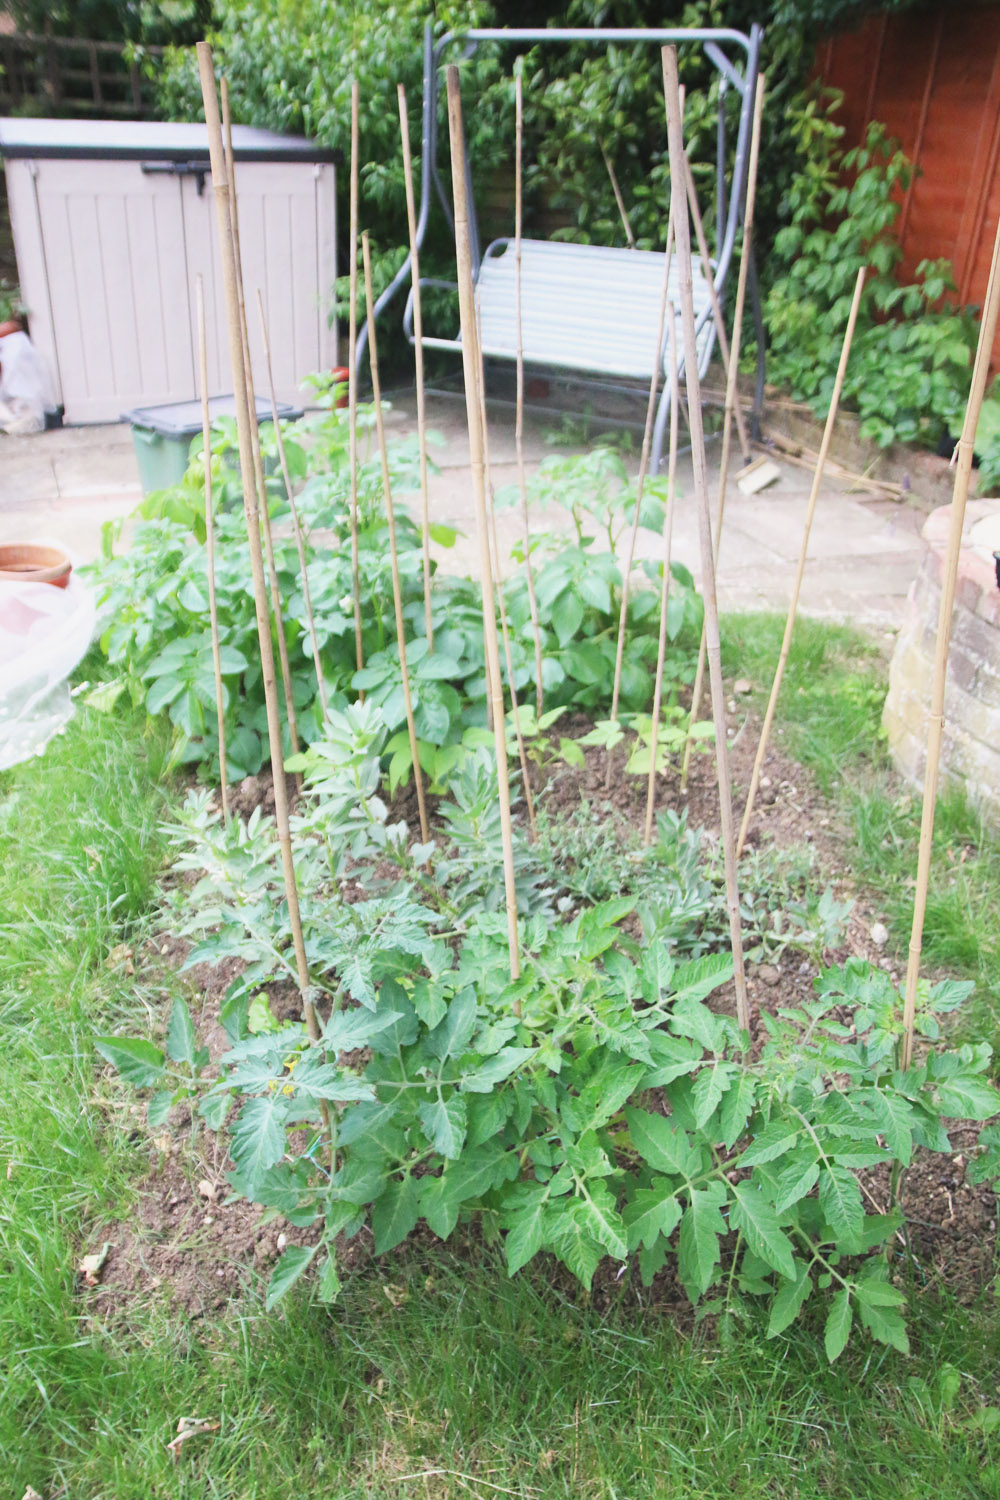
(864,555)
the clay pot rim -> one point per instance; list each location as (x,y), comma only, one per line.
(31,562)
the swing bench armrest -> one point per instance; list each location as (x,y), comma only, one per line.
(426,342)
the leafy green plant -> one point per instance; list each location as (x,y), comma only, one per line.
(908,372)
(595,1106)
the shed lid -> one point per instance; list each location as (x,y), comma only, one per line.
(136,140)
(183,418)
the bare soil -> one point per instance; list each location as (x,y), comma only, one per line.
(186,1243)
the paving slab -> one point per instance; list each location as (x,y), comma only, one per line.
(864,554)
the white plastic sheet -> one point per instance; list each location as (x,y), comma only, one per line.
(25,388)
(44,632)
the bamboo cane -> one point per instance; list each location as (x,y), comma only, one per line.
(786,642)
(397,592)
(467,308)
(640,481)
(294,510)
(222,193)
(529,571)
(732,405)
(709,275)
(935,727)
(352,387)
(622,211)
(213,608)
(682,236)
(529,800)
(258,464)
(418,351)
(668,527)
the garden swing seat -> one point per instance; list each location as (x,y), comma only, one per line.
(591,310)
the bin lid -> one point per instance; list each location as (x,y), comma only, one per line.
(183,418)
(136,140)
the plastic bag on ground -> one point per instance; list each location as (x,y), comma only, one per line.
(44,633)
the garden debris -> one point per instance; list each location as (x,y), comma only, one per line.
(879,934)
(91,1266)
(31,1494)
(208,1190)
(121,956)
(757,475)
(742,686)
(190,1427)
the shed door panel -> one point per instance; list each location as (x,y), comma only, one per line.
(114,247)
(286,221)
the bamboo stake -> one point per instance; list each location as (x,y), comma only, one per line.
(293,508)
(640,481)
(668,527)
(732,405)
(682,235)
(529,800)
(418,350)
(622,211)
(397,592)
(786,642)
(709,275)
(258,464)
(352,388)
(529,571)
(935,727)
(467,307)
(222,193)
(213,609)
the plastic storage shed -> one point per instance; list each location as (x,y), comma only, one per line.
(112,222)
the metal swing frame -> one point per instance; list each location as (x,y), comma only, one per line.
(730,196)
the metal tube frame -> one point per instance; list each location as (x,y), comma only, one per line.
(728,207)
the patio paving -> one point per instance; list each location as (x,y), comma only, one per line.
(865,550)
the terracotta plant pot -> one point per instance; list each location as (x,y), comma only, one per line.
(23,562)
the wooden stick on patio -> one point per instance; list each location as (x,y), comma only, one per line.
(529,801)
(397,592)
(222,191)
(470,363)
(418,351)
(668,528)
(522,482)
(682,235)
(213,608)
(935,727)
(641,479)
(352,386)
(732,394)
(258,464)
(786,642)
(294,510)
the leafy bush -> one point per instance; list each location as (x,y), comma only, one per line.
(597,1106)
(908,374)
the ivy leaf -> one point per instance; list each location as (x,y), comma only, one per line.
(698,1247)
(445,1123)
(181,1040)
(286,1273)
(789,1300)
(840,1200)
(258,1140)
(752,1213)
(138,1061)
(838,1325)
(652,1212)
(660,1143)
(395,1213)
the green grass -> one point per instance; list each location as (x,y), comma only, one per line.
(433,1364)
(829,717)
